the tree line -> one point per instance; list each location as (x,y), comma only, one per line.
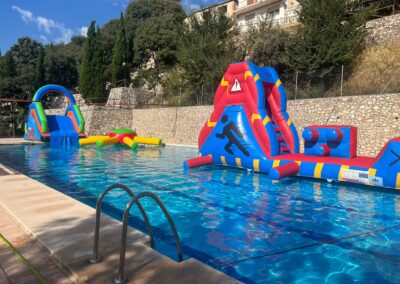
(154,43)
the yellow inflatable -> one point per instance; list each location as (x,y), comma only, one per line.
(121,136)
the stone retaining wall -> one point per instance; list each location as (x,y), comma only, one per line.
(376,116)
(101,120)
(385,30)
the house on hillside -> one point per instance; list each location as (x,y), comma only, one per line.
(284,13)
(227,7)
(246,13)
(279,12)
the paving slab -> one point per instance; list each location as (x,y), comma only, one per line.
(65,227)
(12,270)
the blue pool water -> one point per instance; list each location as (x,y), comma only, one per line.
(244,224)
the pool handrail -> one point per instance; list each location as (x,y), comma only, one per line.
(95,258)
(120,278)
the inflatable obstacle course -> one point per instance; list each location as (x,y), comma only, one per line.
(250,128)
(57,129)
(120,136)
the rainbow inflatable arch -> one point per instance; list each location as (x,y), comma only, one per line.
(251,129)
(57,129)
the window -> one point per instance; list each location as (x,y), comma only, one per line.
(273,13)
(249,18)
(223,9)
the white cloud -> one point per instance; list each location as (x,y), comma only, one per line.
(44,39)
(47,25)
(83,31)
(122,3)
(194,7)
(26,15)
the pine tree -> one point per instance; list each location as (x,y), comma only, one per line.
(329,36)
(91,79)
(120,62)
(129,48)
(8,65)
(40,78)
(99,89)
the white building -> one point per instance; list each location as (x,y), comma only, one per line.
(246,13)
(280,12)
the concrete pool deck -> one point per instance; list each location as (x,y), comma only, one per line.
(64,226)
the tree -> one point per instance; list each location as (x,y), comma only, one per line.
(129,48)
(157,40)
(40,78)
(207,48)
(108,35)
(25,53)
(9,85)
(329,36)
(7,66)
(91,78)
(155,28)
(141,10)
(61,66)
(120,62)
(266,45)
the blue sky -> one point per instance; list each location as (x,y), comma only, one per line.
(58,20)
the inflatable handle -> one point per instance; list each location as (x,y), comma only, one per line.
(198,162)
(107,141)
(322,150)
(310,135)
(334,135)
(283,171)
(149,141)
(91,140)
(130,142)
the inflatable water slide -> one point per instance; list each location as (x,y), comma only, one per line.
(250,128)
(57,129)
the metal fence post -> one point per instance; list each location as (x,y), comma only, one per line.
(296,88)
(180,94)
(202,94)
(341,82)
(394,8)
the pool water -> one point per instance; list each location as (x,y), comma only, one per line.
(244,224)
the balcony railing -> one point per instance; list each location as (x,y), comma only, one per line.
(284,22)
(247,3)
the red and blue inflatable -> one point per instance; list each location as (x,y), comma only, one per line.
(250,128)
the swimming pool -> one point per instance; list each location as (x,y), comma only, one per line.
(244,224)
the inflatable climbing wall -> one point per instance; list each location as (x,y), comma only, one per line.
(249,120)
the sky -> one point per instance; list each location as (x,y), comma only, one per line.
(58,20)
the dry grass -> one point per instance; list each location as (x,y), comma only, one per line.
(373,70)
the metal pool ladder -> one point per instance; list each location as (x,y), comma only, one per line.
(95,258)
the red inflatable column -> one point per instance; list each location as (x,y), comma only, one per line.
(198,162)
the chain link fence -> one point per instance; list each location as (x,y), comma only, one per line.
(7,130)
(342,81)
